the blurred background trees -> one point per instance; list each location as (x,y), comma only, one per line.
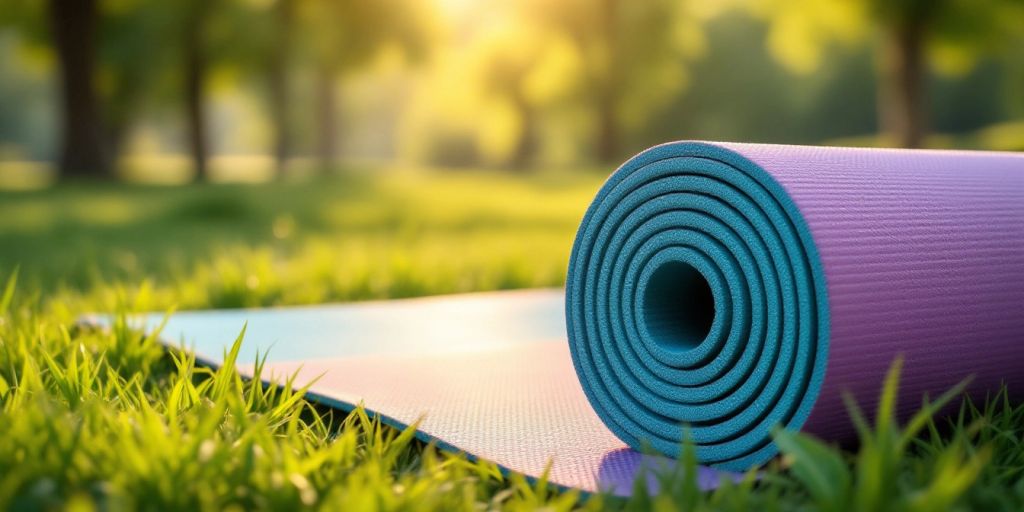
(633,58)
(344,35)
(907,35)
(198,89)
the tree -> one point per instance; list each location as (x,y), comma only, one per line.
(278,80)
(633,57)
(212,37)
(134,70)
(907,33)
(343,35)
(73,28)
(519,68)
(105,70)
(194,47)
(267,50)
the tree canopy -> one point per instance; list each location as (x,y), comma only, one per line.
(510,83)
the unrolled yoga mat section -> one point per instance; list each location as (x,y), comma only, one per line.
(488,374)
(724,290)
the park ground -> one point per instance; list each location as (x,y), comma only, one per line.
(106,419)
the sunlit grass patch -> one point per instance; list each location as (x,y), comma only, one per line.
(395,234)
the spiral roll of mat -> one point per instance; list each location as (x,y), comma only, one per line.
(697,297)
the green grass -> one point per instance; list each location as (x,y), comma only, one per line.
(401,234)
(106,419)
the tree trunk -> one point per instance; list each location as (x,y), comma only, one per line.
(279,90)
(73,26)
(901,94)
(527,145)
(195,75)
(608,128)
(327,132)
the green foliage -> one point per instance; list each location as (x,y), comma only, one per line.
(108,419)
(958,32)
(631,56)
(884,475)
(133,72)
(508,83)
(343,34)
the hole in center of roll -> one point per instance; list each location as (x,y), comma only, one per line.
(679,307)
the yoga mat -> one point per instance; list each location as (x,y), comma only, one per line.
(730,288)
(488,374)
(736,288)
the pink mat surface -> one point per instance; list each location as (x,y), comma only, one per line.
(520,406)
(487,374)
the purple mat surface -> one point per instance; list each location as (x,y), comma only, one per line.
(729,287)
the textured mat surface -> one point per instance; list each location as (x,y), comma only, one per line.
(488,374)
(736,287)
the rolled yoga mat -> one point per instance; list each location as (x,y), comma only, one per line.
(725,290)
(730,288)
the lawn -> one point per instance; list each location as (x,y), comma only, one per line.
(108,420)
(402,234)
